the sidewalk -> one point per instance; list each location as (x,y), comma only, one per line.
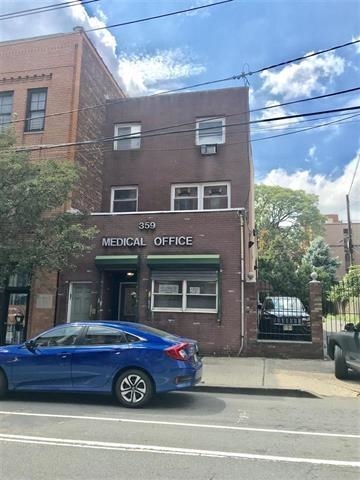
(267,376)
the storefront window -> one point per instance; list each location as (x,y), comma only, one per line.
(185,295)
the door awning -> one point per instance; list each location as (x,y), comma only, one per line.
(116,262)
(169,261)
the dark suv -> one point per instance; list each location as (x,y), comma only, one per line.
(344,348)
(284,318)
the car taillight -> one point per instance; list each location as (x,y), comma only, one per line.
(177,352)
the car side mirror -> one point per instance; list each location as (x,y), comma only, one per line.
(349,327)
(30,344)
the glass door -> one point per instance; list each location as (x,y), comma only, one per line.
(16,319)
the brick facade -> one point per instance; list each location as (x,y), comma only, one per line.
(75,77)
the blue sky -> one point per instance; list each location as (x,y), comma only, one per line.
(228,39)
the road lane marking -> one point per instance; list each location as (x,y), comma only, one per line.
(64,442)
(182,424)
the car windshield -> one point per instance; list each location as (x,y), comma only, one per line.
(284,303)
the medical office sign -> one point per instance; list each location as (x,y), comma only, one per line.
(160,241)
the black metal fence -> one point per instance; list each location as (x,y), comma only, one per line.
(282,317)
(342,307)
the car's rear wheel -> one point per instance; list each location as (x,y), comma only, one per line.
(341,369)
(133,388)
(3,384)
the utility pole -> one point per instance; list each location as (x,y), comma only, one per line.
(350,244)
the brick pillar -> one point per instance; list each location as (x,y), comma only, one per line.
(315,291)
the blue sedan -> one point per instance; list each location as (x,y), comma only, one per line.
(130,360)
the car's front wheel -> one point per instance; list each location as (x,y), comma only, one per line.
(341,369)
(133,388)
(3,384)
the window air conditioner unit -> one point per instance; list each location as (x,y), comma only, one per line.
(208,149)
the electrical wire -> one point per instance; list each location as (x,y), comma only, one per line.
(147,135)
(244,75)
(106,149)
(45,8)
(158,16)
(269,107)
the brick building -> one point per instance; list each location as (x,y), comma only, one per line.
(175,247)
(39,78)
(337,237)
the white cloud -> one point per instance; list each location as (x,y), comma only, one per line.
(138,74)
(143,74)
(357,45)
(303,79)
(331,193)
(200,13)
(312,151)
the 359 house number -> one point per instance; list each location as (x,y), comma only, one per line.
(147,225)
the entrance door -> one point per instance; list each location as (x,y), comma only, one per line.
(16,318)
(79,301)
(128,302)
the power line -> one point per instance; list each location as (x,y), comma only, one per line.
(45,8)
(105,148)
(114,102)
(244,75)
(158,16)
(126,137)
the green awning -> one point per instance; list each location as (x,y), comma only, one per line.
(116,262)
(198,261)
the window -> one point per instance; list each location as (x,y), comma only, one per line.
(124,199)
(59,336)
(35,112)
(6,105)
(131,136)
(99,335)
(187,292)
(210,131)
(207,196)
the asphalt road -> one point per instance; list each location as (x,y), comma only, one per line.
(179,436)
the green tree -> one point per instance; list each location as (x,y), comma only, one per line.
(318,259)
(35,232)
(286,223)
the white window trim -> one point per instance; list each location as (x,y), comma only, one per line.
(199,141)
(135,130)
(200,188)
(129,187)
(184,295)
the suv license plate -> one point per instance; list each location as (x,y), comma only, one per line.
(287,328)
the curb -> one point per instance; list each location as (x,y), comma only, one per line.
(281,392)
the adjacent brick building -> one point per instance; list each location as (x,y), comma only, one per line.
(39,78)
(337,237)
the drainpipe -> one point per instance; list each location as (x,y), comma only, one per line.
(242,287)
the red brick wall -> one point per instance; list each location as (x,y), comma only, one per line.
(213,233)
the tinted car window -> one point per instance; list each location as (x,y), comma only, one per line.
(156,331)
(59,336)
(99,335)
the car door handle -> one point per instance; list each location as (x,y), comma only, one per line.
(64,355)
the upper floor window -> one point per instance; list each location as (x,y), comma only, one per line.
(124,199)
(210,131)
(203,196)
(127,136)
(35,111)
(6,105)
